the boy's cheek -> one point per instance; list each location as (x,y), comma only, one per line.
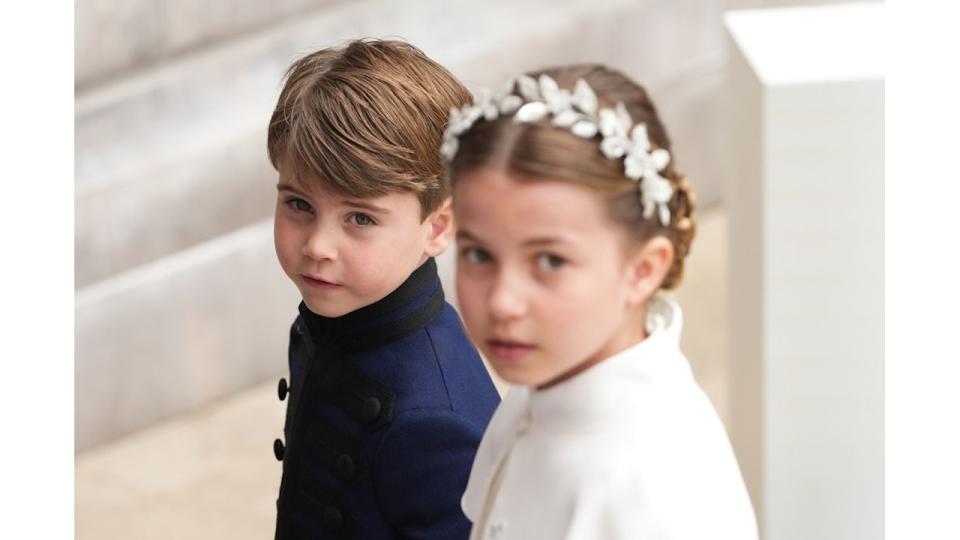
(286,250)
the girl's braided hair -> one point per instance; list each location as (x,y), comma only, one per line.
(539,150)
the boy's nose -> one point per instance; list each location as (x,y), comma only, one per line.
(320,246)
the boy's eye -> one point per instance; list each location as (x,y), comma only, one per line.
(475,255)
(362,220)
(550,262)
(299,205)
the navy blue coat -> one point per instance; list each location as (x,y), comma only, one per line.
(386,408)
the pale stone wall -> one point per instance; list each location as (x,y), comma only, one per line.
(114,37)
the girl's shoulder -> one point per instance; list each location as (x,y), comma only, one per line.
(629,486)
(651,442)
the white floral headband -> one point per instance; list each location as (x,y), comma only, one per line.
(576,111)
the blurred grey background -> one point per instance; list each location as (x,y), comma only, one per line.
(182,312)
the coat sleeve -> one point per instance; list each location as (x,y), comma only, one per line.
(421,469)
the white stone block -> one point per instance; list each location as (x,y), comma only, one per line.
(158,340)
(805,201)
(114,36)
(164,208)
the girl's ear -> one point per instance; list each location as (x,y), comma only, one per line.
(647,269)
(440,229)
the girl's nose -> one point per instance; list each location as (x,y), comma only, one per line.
(320,245)
(506,300)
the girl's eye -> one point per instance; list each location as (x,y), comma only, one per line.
(550,262)
(362,220)
(299,205)
(475,255)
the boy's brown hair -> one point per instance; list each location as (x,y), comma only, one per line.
(366,119)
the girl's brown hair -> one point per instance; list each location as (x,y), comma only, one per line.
(366,120)
(542,151)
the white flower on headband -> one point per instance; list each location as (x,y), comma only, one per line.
(576,111)
(657,193)
(460,121)
(486,106)
(642,164)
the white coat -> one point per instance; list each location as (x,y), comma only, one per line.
(629,448)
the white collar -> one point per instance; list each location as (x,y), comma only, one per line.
(604,390)
(583,400)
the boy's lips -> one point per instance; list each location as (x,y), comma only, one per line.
(318,282)
(505,349)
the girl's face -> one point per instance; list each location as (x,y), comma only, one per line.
(543,280)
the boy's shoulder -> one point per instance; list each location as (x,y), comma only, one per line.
(436,367)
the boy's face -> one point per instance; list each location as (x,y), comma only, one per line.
(344,253)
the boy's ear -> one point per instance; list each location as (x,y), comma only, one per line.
(647,269)
(440,229)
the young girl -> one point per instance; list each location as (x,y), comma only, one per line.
(571,218)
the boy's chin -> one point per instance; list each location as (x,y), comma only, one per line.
(325,309)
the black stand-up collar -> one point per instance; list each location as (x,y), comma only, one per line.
(413,305)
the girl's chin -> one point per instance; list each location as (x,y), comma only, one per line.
(519,377)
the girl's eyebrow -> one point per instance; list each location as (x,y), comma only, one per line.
(463,234)
(544,241)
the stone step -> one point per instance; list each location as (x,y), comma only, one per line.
(113,38)
(176,156)
(168,336)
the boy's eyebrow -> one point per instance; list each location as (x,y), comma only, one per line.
(355,203)
(288,187)
(367,206)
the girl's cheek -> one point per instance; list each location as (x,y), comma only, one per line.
(468,293)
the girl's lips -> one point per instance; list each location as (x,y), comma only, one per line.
(318,283)
(509,350)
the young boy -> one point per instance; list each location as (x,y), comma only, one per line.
(388,399)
